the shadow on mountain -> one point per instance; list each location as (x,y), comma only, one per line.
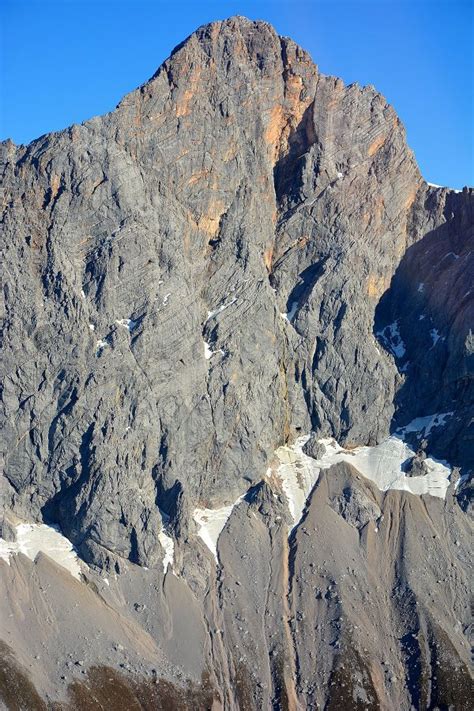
(425,319)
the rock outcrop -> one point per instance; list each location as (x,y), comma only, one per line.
(243,252)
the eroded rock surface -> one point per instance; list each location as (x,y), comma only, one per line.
(243,252)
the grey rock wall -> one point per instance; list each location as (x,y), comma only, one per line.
(238,182)
(243,251)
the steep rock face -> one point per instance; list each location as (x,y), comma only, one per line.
(431,301)
(236,185)
(243,251)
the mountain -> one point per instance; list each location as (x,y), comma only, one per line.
(237,399)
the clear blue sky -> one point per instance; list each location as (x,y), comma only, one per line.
(63,61)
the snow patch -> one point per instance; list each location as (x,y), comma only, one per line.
(391,339)
(298,474)
(168,547)
(424,425)
(32,538)
(99,347)
(421,287)
(128,323)
(382,464)
(91,327)
(166,299)
(208,353)
(289,316)
(211,523)
(167,542)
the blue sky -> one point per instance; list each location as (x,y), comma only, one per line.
(63,61)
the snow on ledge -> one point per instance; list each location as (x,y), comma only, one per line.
(33,538)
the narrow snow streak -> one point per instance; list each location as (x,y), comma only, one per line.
(435,336)
(167,544)
(222,307)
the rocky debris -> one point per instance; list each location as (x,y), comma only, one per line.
(417,466)
(9,527)
(356,507)
(364,598)
(243,252)
(314,447)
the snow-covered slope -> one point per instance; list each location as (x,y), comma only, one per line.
(383,464)
(33,538)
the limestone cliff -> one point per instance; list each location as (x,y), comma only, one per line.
(243,252)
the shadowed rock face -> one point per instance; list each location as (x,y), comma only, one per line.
(243,251)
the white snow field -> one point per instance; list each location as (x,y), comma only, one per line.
(31,538)
(298,473)
(381,464)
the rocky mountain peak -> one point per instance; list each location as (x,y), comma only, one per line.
(237,337)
